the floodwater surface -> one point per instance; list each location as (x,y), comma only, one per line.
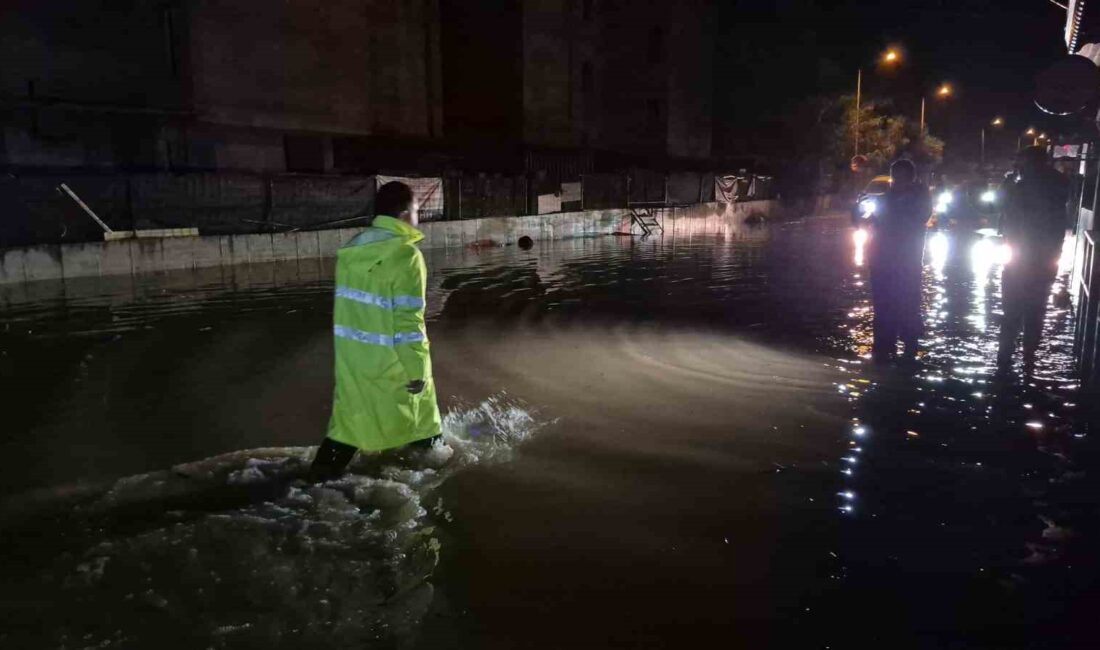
(651,443)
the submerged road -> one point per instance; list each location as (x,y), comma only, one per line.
(716,455)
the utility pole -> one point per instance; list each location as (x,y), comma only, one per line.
(859,90)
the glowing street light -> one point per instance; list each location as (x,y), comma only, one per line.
(997,122)
(1031,133)
(943,92)
(890,57)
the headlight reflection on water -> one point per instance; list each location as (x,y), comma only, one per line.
(1069,254)
(939,247)
(985,254)
(988,253)
(859,238)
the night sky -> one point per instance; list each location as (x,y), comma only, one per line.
(990,51)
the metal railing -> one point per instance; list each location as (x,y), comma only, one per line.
(1087,337)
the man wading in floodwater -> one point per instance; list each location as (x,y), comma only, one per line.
(894,258)
(1034,226)
(384,395)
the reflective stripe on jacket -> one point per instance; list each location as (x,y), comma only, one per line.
(380,340)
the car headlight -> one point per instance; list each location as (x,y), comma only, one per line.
(867,207)
(946,197)
(989,196)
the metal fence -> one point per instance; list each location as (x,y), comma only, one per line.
(35,212)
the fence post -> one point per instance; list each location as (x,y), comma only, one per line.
(268,190)
(131,225)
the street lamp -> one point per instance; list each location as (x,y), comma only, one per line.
(890,57)
(943,92)
(1029,133)
(997,123)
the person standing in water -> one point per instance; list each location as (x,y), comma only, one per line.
(385,395)
(895,255)
(1034,227)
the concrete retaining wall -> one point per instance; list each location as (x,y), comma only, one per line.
(137,256)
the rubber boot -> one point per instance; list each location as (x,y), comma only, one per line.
(426,443)
(331,461)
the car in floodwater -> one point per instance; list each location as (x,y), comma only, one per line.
(867,201)
(967,206)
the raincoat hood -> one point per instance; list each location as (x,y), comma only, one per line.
(397,227)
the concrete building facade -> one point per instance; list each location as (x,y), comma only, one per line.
(214,84)
(308,72)
(88,84)
(300,86)
(631,76)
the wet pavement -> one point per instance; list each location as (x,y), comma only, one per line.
(714,454)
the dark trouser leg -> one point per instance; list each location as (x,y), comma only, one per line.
(910,339)
(1010,331)
(909,316)
(1013,307)
(1032,322)
(885,336)
(885,324)
(1034,313)
(331,460)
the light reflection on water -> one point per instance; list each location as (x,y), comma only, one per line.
(951,454)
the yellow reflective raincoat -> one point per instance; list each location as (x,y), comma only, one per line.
(380,340)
